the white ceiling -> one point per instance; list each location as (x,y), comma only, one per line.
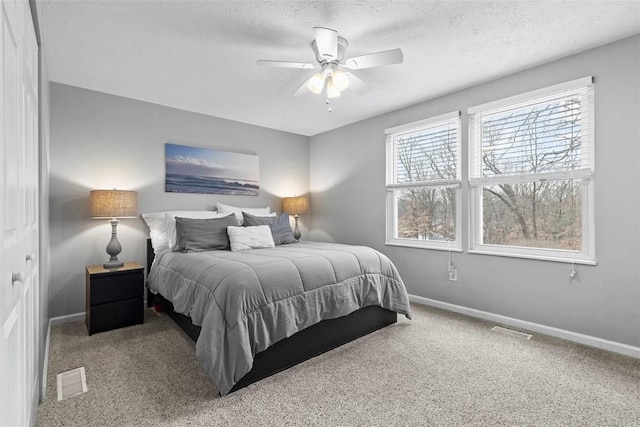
(201,55)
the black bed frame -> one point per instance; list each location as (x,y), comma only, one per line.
(308,343)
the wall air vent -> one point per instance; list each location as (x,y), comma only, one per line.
(71,383)
(512,333)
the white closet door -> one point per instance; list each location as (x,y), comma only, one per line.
(29,230)
(12,366)
(18,215)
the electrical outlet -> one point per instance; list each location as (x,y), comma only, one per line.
(453,274)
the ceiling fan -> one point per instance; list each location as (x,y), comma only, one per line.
(329,49)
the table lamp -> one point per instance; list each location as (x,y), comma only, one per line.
(295,206)
(113,204)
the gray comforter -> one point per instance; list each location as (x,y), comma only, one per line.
(247,301)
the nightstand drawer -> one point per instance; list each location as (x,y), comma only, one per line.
(114,297)
(105,317)
(108,288)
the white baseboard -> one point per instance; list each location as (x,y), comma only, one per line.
(613,346)
(45,365)
(66,319)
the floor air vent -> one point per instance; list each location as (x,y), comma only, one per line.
(512,333)
(71,383)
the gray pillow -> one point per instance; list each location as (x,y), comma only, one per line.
(280,227)
(197,235)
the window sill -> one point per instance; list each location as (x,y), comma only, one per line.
(420,246)
(532,256)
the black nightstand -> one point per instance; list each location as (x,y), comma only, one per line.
(114,297)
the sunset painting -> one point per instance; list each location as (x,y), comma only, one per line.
(208,171)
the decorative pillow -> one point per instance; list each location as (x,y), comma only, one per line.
(255,237)
(170,218)
(157,223)
(226,209)
(280,227)
(197,235)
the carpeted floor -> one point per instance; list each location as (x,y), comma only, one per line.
(439,369)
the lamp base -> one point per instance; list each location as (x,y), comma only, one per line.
(296,231)
(112,264)
(113,248)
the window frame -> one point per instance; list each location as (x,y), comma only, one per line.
(586,174)
(393,189)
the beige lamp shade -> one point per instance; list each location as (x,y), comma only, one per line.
(295,205)
(114,204)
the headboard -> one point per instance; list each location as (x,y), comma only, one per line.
(150,255)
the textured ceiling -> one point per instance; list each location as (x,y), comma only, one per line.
(201,55)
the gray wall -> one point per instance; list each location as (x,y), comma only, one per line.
(347,180)
(101,141)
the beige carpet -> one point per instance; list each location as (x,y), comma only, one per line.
(439,369)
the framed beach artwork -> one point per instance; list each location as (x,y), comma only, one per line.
(208,171)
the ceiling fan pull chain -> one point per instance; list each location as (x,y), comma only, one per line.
(329,104)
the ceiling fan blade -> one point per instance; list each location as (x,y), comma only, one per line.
(326,42)
(357,85)
(285,64)
(387,57)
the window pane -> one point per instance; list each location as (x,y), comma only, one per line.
(544,214)
(427,213)
(427,154)
(540,136)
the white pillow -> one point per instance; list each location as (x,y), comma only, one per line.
(222,208)
(157,230)
(170,218)
(254,237)
(157,223)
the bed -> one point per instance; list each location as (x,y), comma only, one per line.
(259,311)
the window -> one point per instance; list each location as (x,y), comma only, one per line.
(423,183)
(531,174)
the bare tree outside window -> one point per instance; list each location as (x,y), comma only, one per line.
(427,213)
(540,213)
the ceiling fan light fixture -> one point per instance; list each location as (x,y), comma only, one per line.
(340,80)
(335,74)
(316,83)
(332,90)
